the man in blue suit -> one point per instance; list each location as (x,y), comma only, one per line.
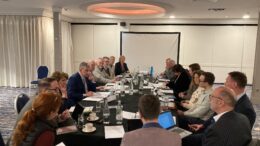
(79,87)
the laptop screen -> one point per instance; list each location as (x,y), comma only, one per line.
(165,119)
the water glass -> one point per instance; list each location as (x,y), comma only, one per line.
(98,107)
(106,118)
(80,121)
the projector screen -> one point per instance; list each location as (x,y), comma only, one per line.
(145,49)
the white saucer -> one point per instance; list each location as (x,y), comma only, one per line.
(92,120)
(88,131)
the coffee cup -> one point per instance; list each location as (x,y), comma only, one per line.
(92,116)
(88,127)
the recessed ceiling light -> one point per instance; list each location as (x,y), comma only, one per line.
(172,16)
(246,16)
(125,9)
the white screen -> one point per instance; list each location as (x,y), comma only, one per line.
(143,50)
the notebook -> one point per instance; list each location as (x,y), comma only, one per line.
(165,119)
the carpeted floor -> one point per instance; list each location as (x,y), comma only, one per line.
(8,114)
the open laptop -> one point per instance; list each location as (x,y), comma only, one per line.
(166,120)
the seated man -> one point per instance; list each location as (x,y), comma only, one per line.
(79,86)
(200,111)
(151,134)
(108,71)
(111,64)
(168,73)
(237,82)
(228,128)
(101,76)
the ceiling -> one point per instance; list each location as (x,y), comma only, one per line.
(183,9)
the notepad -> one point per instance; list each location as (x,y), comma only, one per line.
(61,144)
(130,115)
(114,132)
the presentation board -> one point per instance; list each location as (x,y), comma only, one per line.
(145,49)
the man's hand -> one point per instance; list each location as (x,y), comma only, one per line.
(181,94)
(195,127)
(90,93)
(64,115)
(180,113)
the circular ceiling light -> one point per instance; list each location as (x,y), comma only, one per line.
(125,9)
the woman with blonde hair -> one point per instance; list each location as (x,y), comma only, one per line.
(37,126)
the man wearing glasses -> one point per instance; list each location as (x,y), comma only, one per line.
(229,128)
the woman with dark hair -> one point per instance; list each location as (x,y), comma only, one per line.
(193,85)
(37,126)
(181,82)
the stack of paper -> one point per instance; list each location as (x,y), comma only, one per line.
(166,91)
(98,96)
(163,80)
(130,115)
(71,109)
(114,132)
(61,144)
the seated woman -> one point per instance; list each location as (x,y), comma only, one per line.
(62,79)
(188,104)
(37,126)
(121,66)
(193,86)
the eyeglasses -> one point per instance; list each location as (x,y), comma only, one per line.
(212,96)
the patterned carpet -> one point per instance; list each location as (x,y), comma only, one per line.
(8,114)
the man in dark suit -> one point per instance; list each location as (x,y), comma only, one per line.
(226,127)
(79,86)
(181,81)
(121,66)
(230,128)
(151,134)
(237,82)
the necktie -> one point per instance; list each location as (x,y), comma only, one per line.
(85,84)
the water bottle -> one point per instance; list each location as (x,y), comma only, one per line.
(106,113)
(141,83)
(119,116)
(80,121)
(122,88)
(131,92)
(151,71)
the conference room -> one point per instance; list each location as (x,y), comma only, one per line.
(93,72)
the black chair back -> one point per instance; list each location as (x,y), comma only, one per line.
(20,102)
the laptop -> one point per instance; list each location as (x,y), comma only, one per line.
(166,120)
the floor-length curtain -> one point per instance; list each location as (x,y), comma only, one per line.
(67,48)
(26,42)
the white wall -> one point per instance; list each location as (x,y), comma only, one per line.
(219,49)
(93,41)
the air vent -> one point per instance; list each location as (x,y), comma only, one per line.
(217,9)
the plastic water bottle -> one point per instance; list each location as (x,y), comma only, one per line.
(106,113)
(151,71)
(119,116)
(131,92)
(122,88)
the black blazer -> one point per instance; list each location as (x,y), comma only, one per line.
(232,129)
(76,89)
(245,107)
(118,69)
(180,84)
